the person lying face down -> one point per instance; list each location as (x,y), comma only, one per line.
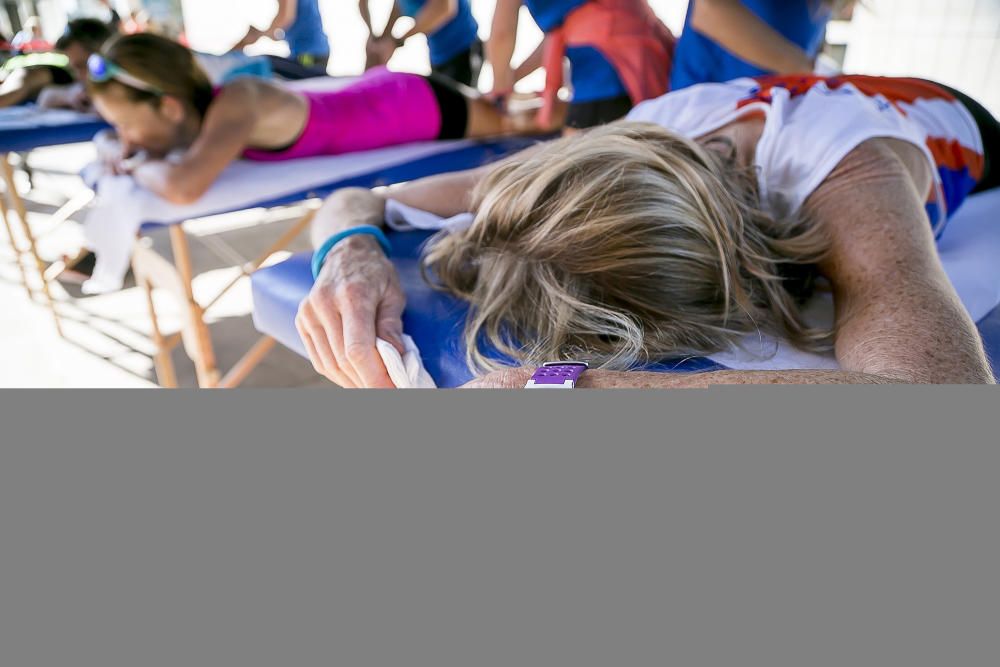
(56,80)
(163,106)
(635,242)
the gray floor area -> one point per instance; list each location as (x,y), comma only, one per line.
(107,338)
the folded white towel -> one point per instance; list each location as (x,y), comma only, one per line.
(406,371)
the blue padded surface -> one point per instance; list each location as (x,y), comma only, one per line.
(38,136)
(989,328)
(434,320)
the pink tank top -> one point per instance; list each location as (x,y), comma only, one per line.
(381,109)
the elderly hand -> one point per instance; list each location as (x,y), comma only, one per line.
(356,299)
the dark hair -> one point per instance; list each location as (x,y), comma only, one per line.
(163,63)
(91,34)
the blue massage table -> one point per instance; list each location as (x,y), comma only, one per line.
(435,320)
(26,128)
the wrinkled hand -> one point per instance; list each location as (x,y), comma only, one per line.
(507,378)
(356,299)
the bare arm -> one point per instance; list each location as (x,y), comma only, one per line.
(287,13)
(897,314)
(531,63)
(366,15)
(224,135)
(500,45)
(742,32)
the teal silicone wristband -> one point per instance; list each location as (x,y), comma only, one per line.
(320,255)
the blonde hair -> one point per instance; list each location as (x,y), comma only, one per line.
(626,245)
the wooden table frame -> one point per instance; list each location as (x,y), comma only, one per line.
(153,271)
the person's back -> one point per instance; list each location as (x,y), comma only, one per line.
(700,59)
(305,36)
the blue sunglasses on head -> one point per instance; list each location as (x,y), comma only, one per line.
(102,70)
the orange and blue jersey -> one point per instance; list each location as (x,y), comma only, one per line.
(951,137)
(813,122)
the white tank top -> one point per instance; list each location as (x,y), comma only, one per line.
(813,122)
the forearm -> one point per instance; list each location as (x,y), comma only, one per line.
(161,179)
(366,15)
(742,32)
(432,17)
(287,12)
(531,63)
(503,34)
(394,16)
(599,379)
(645,380)
(350,207)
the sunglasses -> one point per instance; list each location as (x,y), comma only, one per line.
(102,70)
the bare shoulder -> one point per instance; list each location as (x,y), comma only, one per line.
(874,199)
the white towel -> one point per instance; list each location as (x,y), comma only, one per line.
(968,249)
(406,371)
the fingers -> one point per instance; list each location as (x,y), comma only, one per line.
(318,346)
(359,347)
(339,332)
(389,321)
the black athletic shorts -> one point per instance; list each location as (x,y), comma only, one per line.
(598,112)
(465,67)
(454,107)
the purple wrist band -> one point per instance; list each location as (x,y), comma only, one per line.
(557,375)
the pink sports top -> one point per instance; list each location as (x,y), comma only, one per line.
(380,109)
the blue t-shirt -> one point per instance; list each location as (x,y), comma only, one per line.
(592,75)
(306,36)
(453,37)
(698,59)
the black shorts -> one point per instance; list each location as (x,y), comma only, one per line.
(597,112)
(465,67)
(454,107)
(989,130)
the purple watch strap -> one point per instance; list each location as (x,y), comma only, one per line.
(557,375)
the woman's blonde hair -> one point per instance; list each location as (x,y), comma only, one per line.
(626,245)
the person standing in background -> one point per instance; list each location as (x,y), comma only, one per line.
(298,22)
(728,39)
(452,36)
(619,53)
